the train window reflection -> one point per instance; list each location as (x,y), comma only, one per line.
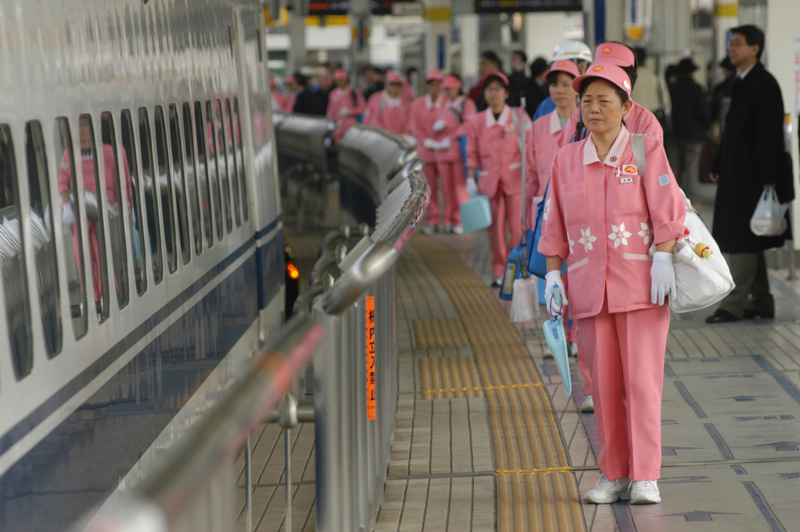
(94,213)
(150,195)
(42,236)
(179,183)
(214,169)
(164,183)
(191,178)
(12,260)
(71,229)
(237,132)
(134,201)
(222,164)
(230,156)
(205,176)
(118,184)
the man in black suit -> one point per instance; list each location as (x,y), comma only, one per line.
(690,123)
(751,159)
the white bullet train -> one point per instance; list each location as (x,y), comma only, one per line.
(141,247)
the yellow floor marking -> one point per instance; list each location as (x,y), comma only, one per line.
(440,333)
(446,377)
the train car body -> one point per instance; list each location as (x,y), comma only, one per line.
(141,247)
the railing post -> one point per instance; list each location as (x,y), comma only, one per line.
(248,476)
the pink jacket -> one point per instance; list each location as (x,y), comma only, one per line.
(424,113)
(602,217)
(494,145)
(288,103)
(455,129)
(545,145)
(345,105)
(385,113)
(639,120)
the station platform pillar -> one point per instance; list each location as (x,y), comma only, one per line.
(469,35)
(436,40)
(296,56)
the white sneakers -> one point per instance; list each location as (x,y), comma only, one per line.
(608,491)
(588,405)
(645,492)
(428,229)
(622,489)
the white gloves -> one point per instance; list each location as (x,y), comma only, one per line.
(472,187)
(662,275)
(344,111)
(412,141)
(68,216)
(554,278)
(430,144)
(439,125)
(445,144)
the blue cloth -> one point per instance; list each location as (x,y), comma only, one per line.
(537,263)
(545,107)
(462,140)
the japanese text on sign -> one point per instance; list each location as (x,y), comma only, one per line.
(370,321)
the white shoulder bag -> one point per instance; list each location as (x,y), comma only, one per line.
(701,273)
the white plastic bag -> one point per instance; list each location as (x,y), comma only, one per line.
(769,217)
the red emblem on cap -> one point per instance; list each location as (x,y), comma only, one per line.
(561,63)
(606,50)
(598,68)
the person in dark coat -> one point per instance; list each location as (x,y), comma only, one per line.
(690,122)
(537,89)
(750,159)
(374,78)
(518,78)
(489,62)
(306,101)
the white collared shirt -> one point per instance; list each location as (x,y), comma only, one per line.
(743,74)
(438,103)
(505,114)
(614,154)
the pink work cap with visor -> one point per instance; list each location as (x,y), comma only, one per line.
(434,75)
(564,66)
(391,77)
(340,73)
(614,53)
(451,82)
(611,73)
(498,75)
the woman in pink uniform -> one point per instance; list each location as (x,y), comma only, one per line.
(493,144)
(345,103)
(603,216)
(289,99)
(426,125)
(639,120)
(387,109)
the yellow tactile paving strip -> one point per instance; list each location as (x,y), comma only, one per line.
(449,378)
(536,491)
(439,333)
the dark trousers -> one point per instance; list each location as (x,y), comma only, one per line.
(749,271)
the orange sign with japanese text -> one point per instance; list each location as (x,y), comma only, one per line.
(370,321)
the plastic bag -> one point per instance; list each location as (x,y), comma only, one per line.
(769,218)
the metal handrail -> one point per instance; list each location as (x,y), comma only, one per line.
(382,254)
(219,436)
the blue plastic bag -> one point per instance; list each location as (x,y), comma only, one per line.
(537,263)
(557,342)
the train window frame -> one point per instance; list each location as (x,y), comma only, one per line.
(209,218)
(21,346)
(139,256)
(222,165)
(179,187)
(44,237)
(119,247)
(69,192)
(103,301)
(230,156)
(168,211)
(240,159)
(223,194)
(152,200)
(190,161)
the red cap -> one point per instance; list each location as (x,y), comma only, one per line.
(611,73)
(340,73)
(496,74)
(392,77)
(451,82)
(434,75)
(617,54)
(564,66)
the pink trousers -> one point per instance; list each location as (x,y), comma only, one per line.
(505,208)
(454,184)
(431,173)
(626,350)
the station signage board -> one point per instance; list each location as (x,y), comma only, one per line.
(513,6)
(377,7)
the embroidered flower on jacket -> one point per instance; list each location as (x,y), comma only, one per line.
(619,235)
(571,243)
(547,207)
(587,238)
(645,233)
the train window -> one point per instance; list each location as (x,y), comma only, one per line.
(237,132)
(205,174)
(92,184)
(149,183)
(222,164)
(72,231)
(165,185)
(134,201)
(230,156)
(118,184)
(42,235)
(214,178)
(180,189)
(191,178)
(12,260)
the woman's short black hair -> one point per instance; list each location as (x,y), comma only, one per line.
(494,77)
(552,77)
(623,96)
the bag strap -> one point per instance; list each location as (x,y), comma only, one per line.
(519,131)
(637,145)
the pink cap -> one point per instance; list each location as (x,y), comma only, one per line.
(288,79)
(614,53)
(392,77)
(340,73)
(434,75)
(564,66)
(608,72)
(496,74)
(272,82)
(451,82)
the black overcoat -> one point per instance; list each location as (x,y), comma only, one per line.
(750,156)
